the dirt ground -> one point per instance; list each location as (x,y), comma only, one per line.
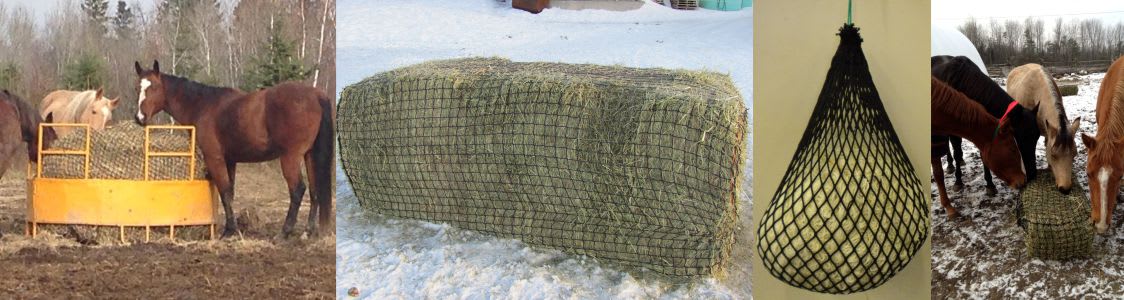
(258,264)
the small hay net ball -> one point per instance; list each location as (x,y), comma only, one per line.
(850,211)
(1057,225)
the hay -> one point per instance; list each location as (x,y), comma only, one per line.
(1058,226)
(118,153)
(636,167)
(111,235)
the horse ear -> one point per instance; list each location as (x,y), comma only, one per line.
(136,65)
(1089,141)
(97,96)
(156,66)
(1076,125)
(113,103)
(50,117)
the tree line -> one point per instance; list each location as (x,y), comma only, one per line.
(90,44)
(1030,40)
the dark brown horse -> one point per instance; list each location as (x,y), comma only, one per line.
(954,114)
(291,122)
(962,74)
(19,125)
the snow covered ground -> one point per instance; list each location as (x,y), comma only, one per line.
(394,258)
(984,255)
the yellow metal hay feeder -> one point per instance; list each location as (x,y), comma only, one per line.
(120,202)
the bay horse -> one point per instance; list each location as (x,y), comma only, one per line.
(962,74)
(1032,86)
(291,122)
(1106,166)
(19,124)
(85,107)
(954,114)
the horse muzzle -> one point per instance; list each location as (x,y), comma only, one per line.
(139,118)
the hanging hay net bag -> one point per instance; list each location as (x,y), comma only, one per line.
(637,167)
(1057,225)
(118,153)
(850,211)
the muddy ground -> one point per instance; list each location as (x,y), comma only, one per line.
(258,264)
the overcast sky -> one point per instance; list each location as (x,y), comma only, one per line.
(955,12)
(41,9)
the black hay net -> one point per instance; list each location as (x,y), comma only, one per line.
(850,212)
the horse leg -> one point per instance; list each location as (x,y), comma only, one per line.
(938,176)
(957,149)
(220,178)
(313,186)
(991,191)
(290,168)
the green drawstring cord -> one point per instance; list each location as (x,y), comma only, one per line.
(849,13)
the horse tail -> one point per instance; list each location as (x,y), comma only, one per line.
(323,155)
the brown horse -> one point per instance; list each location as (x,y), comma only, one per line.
(85,107)
(1106,166)
(1033,87)
(19,124)
(954,114)
(291,122)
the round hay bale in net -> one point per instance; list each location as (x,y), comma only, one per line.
(635,167)
(118,153)
(1058,226)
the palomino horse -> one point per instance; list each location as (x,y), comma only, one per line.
(19,125)
(1033,87)
(86,107)
(289,121)
(962,74)
(1106,166)
(954,114)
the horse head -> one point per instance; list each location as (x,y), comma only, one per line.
(1061,148)
(150,87)
(99,111)
(1003,157)
(1104,168)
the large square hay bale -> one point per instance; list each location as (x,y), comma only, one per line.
(637,167)
(1058,226)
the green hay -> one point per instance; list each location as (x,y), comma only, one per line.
(118,153)
(631,166)
(1067,90)
(1057,226)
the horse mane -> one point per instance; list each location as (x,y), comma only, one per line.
(1115,127)
(29,119)
(1063,121)
(962,74)
(203,92)
(959,105)
(83,99)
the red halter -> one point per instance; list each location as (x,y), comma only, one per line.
(1003,119)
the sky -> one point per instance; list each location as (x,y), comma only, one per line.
(41,9)
(955,12)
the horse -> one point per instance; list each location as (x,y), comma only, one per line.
(1105,165)
(1032,86)
(19,124)
(962,74)
(86,107)
(954,114)
(290,121)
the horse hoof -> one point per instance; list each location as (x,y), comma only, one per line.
(991,192)
(227,233)
(957,187)
(953,214)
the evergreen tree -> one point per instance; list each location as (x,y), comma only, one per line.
(123,21)
(9,76)
(175,16)
(277,63)
(88,72)
(96,15)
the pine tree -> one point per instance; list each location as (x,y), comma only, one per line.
(88,72)
(176,16)
(277,64)
(96,15)
(9,76)
(123,21)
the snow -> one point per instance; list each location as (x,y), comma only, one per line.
(984,256)
(949,41)
(395,258)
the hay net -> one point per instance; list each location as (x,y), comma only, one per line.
(1057,225)
(636,167)
(849,212)
(118,153)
